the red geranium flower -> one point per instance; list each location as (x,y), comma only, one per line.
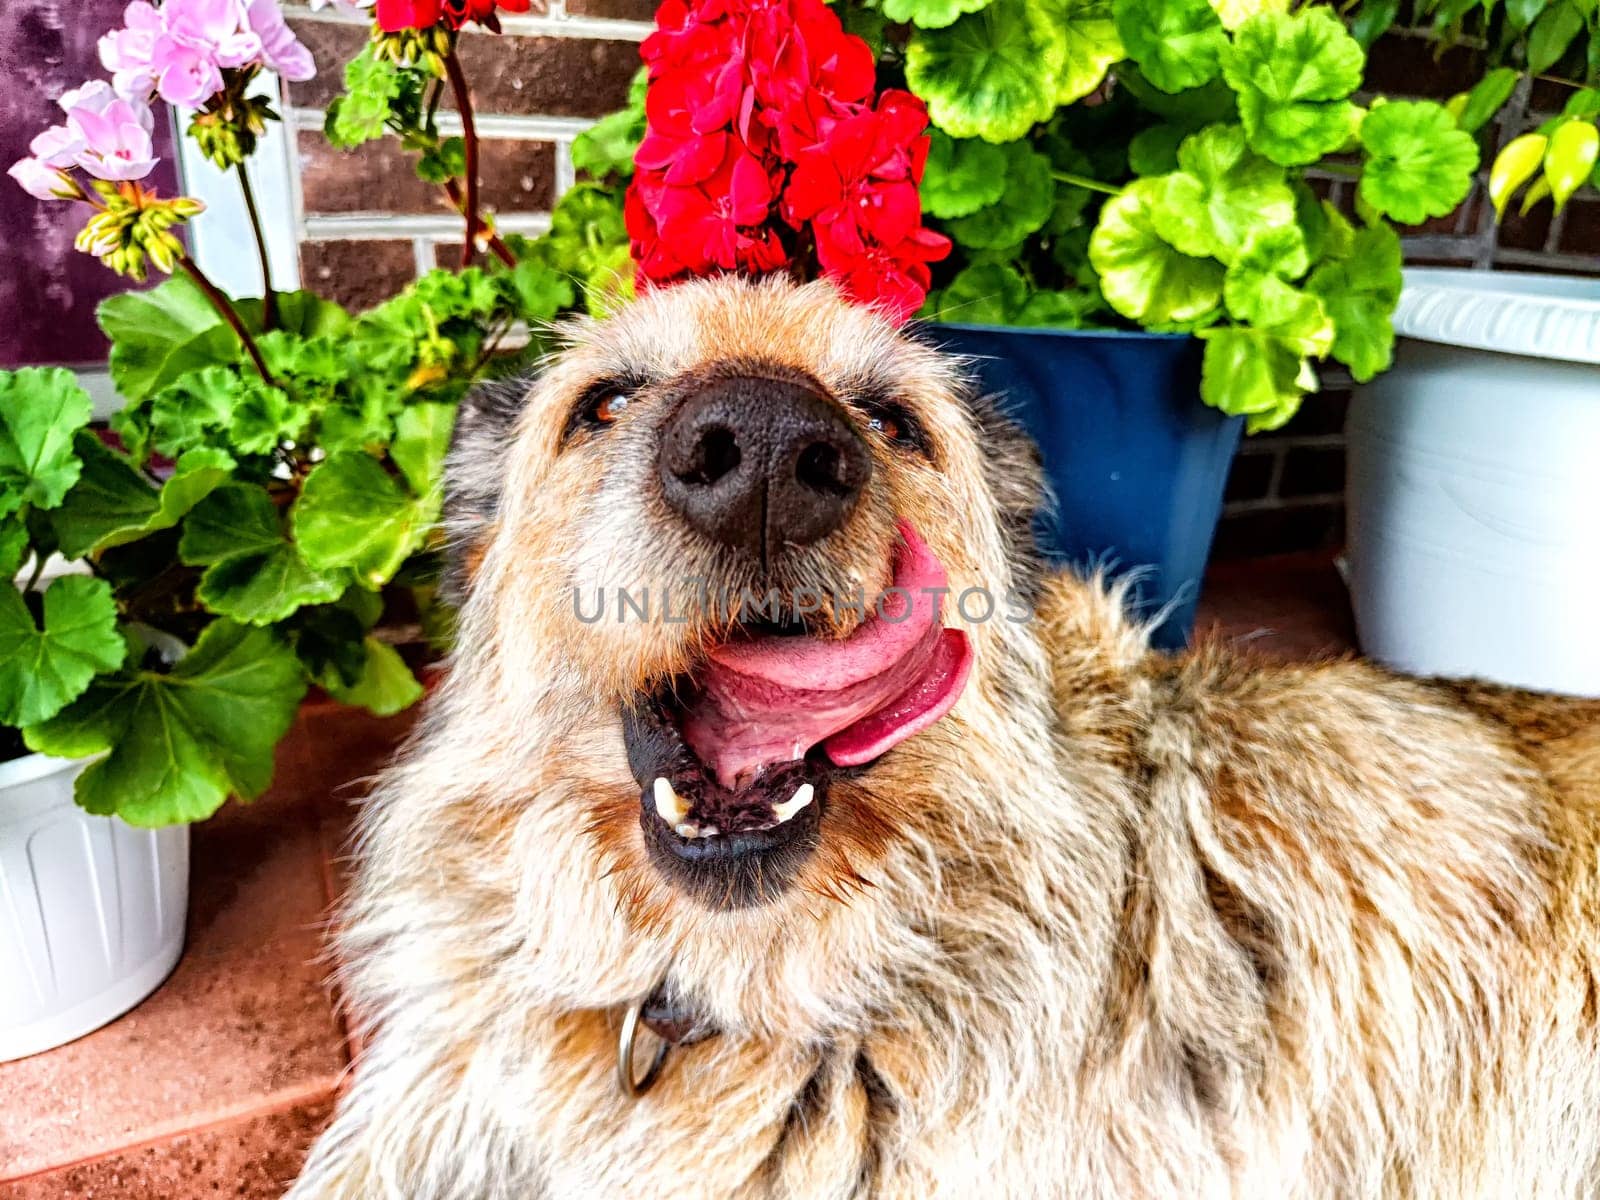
(397,15)
(764,151)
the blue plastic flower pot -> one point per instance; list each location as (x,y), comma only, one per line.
(1136,461)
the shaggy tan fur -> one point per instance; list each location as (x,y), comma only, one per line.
(1121,925)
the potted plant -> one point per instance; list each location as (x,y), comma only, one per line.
(1121,229)
(1471,489)
(257,519)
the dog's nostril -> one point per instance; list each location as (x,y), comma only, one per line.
(716,455)
(820,467)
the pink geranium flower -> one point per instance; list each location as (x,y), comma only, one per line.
(129,53)
(105,135)
(180,50)
(116,140)
(281,51)
(41,181)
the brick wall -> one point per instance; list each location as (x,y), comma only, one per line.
(1286,491)
(368,225)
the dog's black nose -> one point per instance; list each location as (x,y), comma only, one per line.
(761,464)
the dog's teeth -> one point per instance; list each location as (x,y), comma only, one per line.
(670,806)
(802,797)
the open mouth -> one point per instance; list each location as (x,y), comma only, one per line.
(735,759)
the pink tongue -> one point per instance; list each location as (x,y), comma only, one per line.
(768,700)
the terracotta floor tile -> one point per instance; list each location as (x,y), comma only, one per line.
(1291,608)
(245,1020)
(251,1158)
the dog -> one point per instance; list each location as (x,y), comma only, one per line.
(924,902)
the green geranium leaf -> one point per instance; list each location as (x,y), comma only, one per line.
(1359,290)
(421,441)
(264,418)
(371,85)
(113,503)
(1092,44)
(1143,276)
(1249,372)
(44,669)
(991,75)
(13,546)
(41,411)
(1293,73)
(385,685)
(353,514)
(1059,310)
(1022,209)
(362,417)
(985,294)
(218,403)
(187,412)
(1419,163)
(929,14)
(1154,151)
(1259,290)
(301,314)
(606,148)
(1177,43)
(177,744)
(538,291)
(253,572)
(1234,13)
(160,335)
(1220,195)
(962,175)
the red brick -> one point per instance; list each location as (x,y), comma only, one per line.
(1321,413)
(508,75)
(1278,531)
(1312,471)
(1518,232)
(380,176)
(1250,477)
(358,274)
(1580,234)
(1411,66)
(624,10)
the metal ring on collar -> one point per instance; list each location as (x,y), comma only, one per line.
(634,1087)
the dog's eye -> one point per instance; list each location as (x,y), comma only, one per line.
(895,425)
(600,406)
(610,407)
(888,425)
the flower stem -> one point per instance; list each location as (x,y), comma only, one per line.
(469,136)
(497,245)
(269,298)
(229,314)
(1083,181)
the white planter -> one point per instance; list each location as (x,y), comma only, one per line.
(1474,485)
(91,909)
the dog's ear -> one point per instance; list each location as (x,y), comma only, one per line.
(474,472)
(1016,476)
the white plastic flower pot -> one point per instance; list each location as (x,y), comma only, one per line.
(1474,490)
(92,910)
